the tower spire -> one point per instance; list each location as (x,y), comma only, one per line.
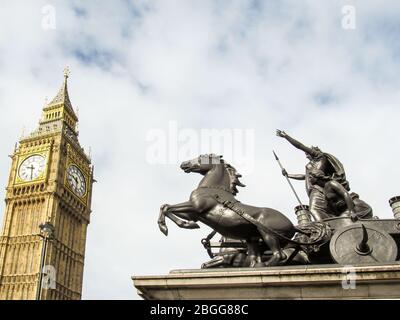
(62,97)
(66,73)
(60,107)
(65,84)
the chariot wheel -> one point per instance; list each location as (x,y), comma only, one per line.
(359,244)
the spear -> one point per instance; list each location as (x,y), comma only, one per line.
(287,178)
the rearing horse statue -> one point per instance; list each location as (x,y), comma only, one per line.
(213,203)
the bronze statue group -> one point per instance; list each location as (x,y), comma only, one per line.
(259,236)
(326,185)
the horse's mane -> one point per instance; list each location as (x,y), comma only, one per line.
(234,177)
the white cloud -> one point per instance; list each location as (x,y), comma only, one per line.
(208,64)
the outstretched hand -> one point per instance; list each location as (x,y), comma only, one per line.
(281,133)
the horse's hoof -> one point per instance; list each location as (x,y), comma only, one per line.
(252,264)
(192,225)
(271,263)
(275,261)
(164,230)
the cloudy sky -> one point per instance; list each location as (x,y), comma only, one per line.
(139,69)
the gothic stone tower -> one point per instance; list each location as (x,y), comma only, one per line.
(50,181)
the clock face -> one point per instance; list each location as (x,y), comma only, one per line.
(32,167)
(76,180)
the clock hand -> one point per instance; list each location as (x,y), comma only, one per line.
(31,168)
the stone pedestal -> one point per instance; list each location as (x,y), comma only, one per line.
(288,282)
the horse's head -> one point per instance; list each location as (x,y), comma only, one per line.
(202,164)
(226,177)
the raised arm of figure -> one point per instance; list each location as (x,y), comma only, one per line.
(295,143)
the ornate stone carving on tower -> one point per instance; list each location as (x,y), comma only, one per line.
(50,181)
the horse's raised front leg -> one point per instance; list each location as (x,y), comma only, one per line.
(182,210)
(161,221)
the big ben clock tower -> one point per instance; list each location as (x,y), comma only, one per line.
(50,183)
